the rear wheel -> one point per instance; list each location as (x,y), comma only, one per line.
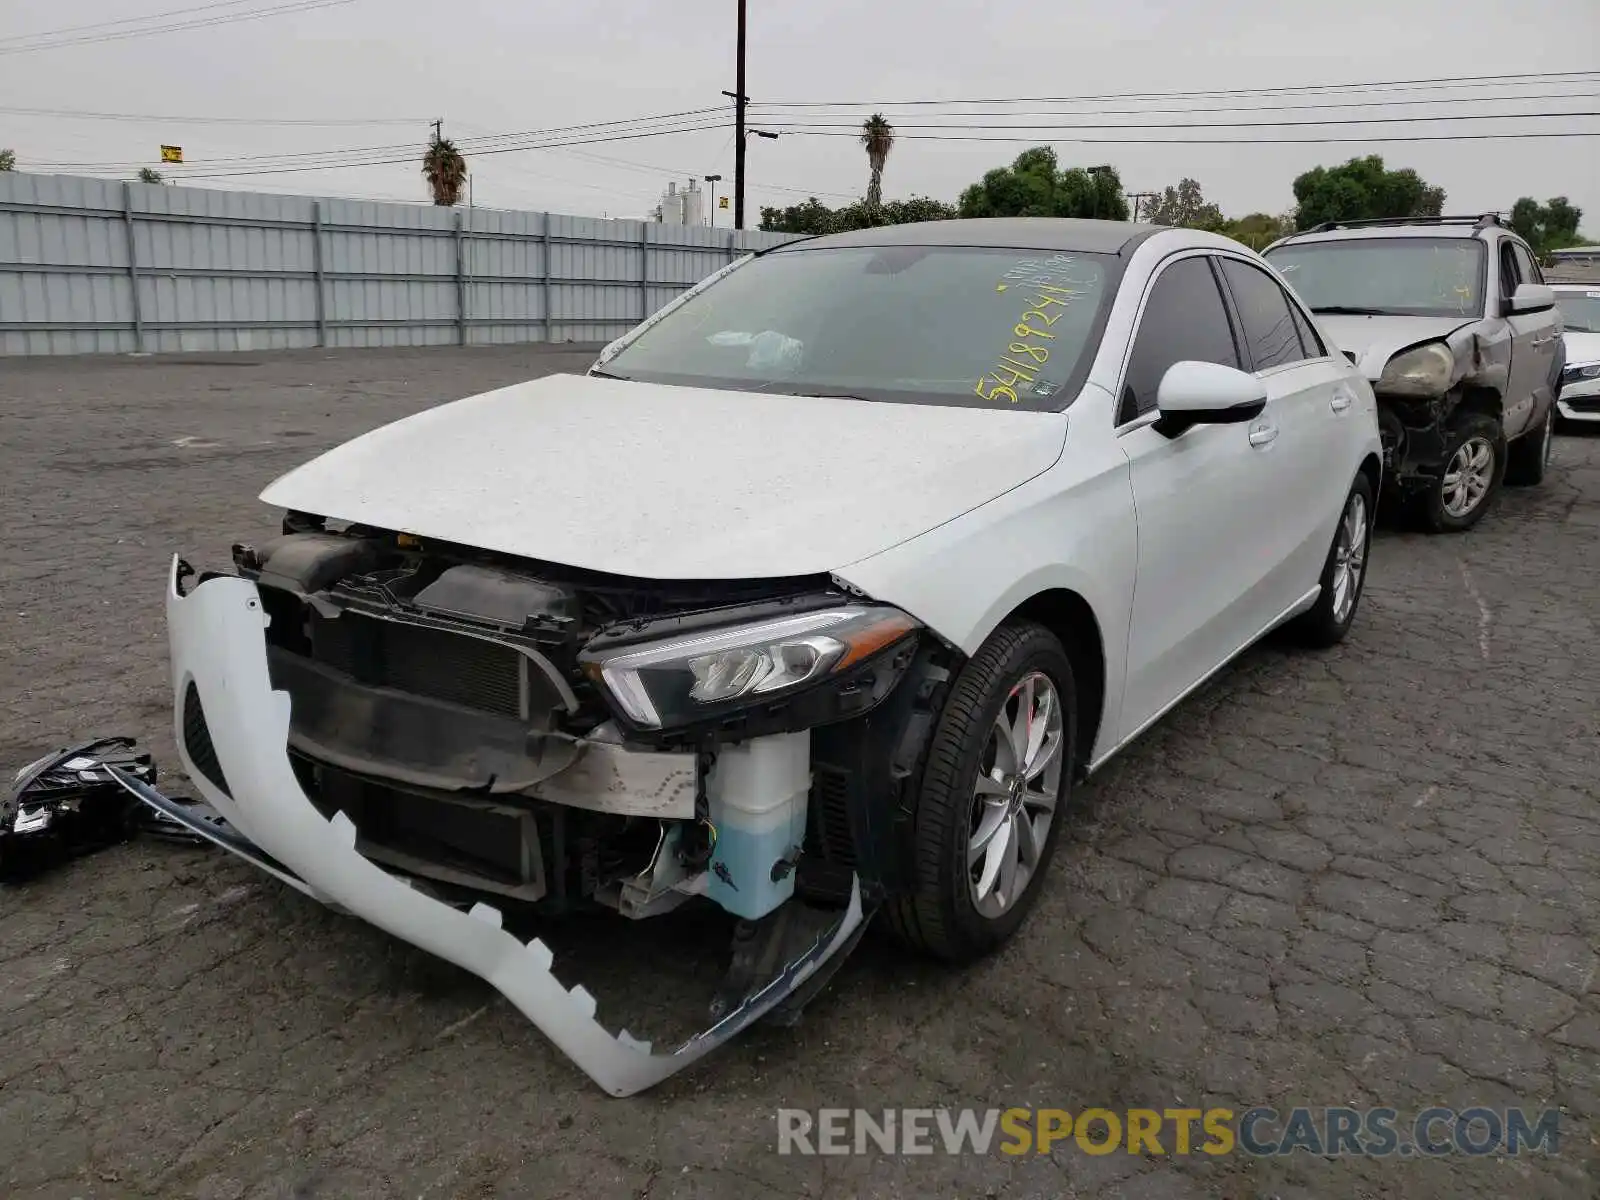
(988,814)
(1529,456)
(1474,460)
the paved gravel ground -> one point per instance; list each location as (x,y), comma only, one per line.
(1368,877)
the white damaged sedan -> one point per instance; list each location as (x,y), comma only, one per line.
(814,598)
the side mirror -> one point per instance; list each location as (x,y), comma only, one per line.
(1202,393)
(1531,298)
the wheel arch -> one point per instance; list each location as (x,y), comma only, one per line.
(1482,399)
(1372,468)
(1071,617)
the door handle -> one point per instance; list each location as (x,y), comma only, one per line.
(1263,435)
(1340,401)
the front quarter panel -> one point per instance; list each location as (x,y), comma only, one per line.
(1071,528)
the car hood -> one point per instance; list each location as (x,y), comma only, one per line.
(1582,348)
(1375,340)
(662,482)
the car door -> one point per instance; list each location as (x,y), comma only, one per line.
(1527,330)
(1547,345)
(1202,501)
(1309,406)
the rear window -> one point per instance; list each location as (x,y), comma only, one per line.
(1411,277)
(946,325)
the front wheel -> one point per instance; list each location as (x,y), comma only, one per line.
(988,814)
(1474,466)
(1343,574)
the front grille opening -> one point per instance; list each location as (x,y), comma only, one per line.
(197,741)
(436,663)
(465,840)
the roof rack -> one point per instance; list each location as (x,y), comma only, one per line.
(1477,221)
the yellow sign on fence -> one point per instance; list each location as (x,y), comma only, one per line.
(172,154)
(722,202)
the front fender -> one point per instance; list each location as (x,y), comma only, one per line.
(1072,528)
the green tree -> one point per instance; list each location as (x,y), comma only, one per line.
(150,175)
(1035,185)
(813,217)
(1547,227)
(1184,206)
(1360,190)
(1259,230)
(8,160)
(877,139)
(445,170)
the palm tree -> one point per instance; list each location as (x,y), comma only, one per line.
(445,171)
(877,138)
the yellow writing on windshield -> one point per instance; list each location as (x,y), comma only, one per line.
(1020,362)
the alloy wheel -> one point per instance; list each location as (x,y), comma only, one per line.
(1015,795)
(1349,557)
(1468,477)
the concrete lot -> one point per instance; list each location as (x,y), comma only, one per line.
(1370,877)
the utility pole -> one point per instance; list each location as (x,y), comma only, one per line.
(438,130)
(738,129)
(1136,197)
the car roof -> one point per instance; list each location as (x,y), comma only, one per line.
(1009,233)
(1368,232)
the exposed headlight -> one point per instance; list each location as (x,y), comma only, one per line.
(683,679)
(1422,371)
(1583,371)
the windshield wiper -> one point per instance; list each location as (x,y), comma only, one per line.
(608,375)
(1349,310)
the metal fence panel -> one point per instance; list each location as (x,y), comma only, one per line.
(100,266)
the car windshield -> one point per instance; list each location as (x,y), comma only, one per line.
(945,325)
(1412,277)
(1580,311)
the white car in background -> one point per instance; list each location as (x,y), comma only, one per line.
(1580,380)
(816,596)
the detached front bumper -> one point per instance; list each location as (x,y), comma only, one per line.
(218,647)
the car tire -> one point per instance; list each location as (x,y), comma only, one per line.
(1476,444)
(944,910)
(1344,574)
(1528,457)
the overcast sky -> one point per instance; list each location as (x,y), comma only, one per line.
(488,68)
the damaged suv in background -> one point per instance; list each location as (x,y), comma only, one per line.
(1451,320)
(813,598)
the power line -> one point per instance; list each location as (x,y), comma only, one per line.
(412,158)
(151,118)
(774,114)
(171,12)
(1317,121)
(481,145)
(1522,79)
(692,120)
(228,19)
(1290,141)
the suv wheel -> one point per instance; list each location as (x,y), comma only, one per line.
(1474,461)
(989,809)
(1529,455)
(1344,573)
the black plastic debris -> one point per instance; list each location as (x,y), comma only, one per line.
(69,803)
